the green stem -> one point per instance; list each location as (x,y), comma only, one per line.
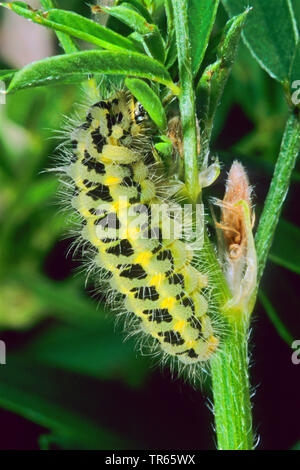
(289,150)
(230,380)
(186,98)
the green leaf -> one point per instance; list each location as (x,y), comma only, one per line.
(270,33)
(6,72)
(212,83)
(7,75)
(139,7)
(295,74)
(75,25)
(285,249)
(201,18)
(150,101)
(59,403)
(97,351)
(79,66)
(64,300)
(138,23)
(66,42)
(275,319)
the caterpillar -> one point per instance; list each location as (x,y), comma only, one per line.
(116,180)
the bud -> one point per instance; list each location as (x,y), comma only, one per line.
(237,220)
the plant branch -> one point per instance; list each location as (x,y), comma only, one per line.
(289,150)
(231,391)
(186,98)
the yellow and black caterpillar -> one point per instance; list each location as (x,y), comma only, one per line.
(116,181)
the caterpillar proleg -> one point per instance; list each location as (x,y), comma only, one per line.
(116,181)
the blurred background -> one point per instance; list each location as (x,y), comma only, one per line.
(70,382)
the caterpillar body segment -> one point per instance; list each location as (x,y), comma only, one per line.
(118,195)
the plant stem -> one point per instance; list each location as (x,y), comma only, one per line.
(230,379)
(289,150)
(186,98)
(230,365)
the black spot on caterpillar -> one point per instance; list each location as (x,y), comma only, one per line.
(114,180)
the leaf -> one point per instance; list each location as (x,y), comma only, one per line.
(97,350)
(275,319)
(57,402)
(295,72)
(270,33)
(285,249)
(7,75)
(212,83)
(75,25)
(138,23)
(150,101)
(79,66)
(65,41)
(201,18)
(64,300)
(5,72)
(139,7)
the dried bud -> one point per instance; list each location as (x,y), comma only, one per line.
(232,215)
(239,249)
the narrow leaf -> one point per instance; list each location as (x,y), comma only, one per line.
(139,7)
(79,66)
(285,249)
(138,23)
(270,33)
(212,83)
(50,399)
(201,18)
(75,25)
(275,319)
(66,42)
(150,101)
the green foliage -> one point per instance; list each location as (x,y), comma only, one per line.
(201,19)
(79,66)
(271,34)
(213,80)
(163,52)
(73,24)
(150,101)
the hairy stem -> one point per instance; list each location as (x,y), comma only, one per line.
(230,365)
(289,150)
(230,379)
(186,98)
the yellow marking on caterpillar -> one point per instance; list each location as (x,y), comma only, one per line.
(110,180)
(157,279)
(168,303)
(179,326)
(120,204)
(143,258)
